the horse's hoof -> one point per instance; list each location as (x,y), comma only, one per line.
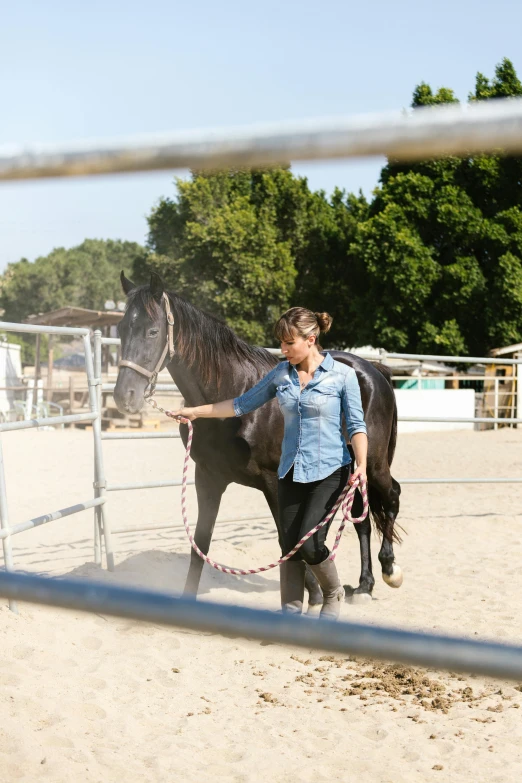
(314,609)
(395,578)
(352,596)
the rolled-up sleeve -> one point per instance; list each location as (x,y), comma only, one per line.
(258,395)
(352,405)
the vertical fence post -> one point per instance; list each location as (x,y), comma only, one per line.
(71,394)
(28,411)
(37,369)
(518,387)
(99,473)
(97,510)
(495,426)
(4,523)
(50,362)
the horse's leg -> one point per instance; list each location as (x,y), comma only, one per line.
(315,594)
(366,580)
(385,514)
(209,489)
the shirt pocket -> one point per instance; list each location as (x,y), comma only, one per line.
(284,395)
(323,399)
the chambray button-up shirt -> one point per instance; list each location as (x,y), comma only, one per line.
(313,440)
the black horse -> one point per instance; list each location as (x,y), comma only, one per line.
(210,363)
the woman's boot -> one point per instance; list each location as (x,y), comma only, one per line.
(292,582)
(333,591)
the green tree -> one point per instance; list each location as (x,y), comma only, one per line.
(246,245)
(330,277)
(441,250)
(224,243)
(82,276)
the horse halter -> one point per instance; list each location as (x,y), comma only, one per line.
(169,347)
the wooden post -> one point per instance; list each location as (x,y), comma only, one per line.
(518,388)
(50,360)
(71,393)
(105,351)
(495,426)
(36,370)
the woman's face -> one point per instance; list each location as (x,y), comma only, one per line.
(297,349)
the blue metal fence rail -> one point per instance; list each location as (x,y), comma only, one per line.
(409,647)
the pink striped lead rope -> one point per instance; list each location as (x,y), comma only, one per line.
(345,499)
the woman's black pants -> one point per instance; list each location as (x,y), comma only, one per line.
(302,507)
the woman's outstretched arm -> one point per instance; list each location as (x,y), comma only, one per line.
(215,410)
(254,398)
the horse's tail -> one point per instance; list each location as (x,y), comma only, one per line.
(380,519)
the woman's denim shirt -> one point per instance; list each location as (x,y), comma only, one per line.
(313,441)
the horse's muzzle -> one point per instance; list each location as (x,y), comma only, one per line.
(128,396)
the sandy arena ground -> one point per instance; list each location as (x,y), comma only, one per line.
(95,699)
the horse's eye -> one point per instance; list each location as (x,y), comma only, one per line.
(153,332)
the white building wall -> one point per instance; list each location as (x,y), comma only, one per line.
(10,374)
(443,403)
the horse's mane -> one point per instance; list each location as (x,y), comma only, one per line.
(203,338)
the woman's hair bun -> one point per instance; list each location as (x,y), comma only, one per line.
(324,320)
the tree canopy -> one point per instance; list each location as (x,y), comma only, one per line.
(433,263)
(246,245)
(82,276)
(441,251)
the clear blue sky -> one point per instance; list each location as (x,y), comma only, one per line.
(103,69)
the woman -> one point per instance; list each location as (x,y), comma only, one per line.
(313,392)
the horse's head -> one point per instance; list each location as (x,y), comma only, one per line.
(146,341)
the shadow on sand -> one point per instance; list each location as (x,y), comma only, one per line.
(167,571)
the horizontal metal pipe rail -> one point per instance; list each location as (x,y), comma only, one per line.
(408,647)
(110,341)
(427,132)
(139,435)
(146,485)
(446,358)
(109,387)
(74,418)
(459,419)
(7,326)
(440,377)
(485,480)
(45,518)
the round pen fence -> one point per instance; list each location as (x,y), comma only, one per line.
(101,525)
(431,132)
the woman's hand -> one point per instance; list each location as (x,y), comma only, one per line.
(183,415)
(358,474)
(215,410)
(360,450)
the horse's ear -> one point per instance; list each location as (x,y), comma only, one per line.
(156,285)
(126,284)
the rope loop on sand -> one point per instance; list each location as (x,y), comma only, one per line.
(345,499)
